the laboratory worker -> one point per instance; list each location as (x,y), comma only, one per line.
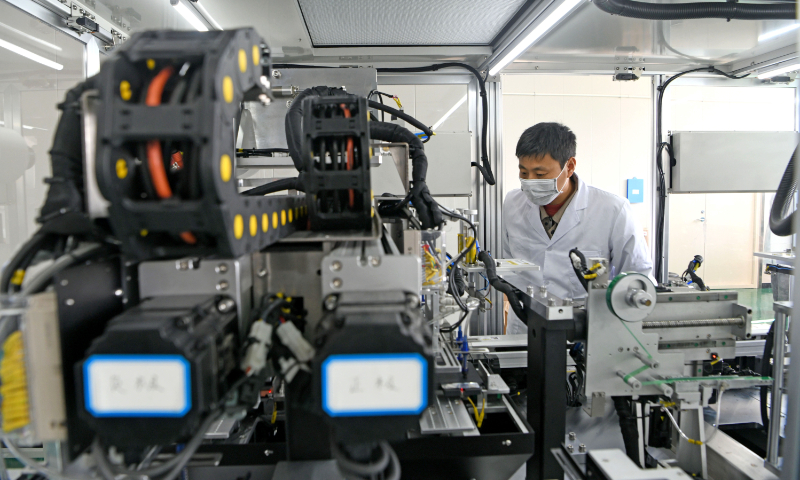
(554,211)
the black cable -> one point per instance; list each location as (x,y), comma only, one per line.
(685,11)
(784,201)
(502,286)
(292,183)
(402,115)
(259,152)
(21,258)
(767,370)
(660,146)
(484,167)
(455,325)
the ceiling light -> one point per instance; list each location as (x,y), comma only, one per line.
(190,17)
(779,31)
(543,27)
(31,37)
(28,54)
(449,112)
(778,71)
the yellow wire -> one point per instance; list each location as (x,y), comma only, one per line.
(14,389)
(590,276)
(716,361)
(274,410)
(397,101)
(478,417)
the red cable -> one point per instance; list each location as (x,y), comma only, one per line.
(155,158)
(350,155)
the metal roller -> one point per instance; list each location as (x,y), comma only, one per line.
(708,322)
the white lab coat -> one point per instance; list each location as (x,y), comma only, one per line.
(599,223)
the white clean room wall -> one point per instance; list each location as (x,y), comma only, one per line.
(612,122)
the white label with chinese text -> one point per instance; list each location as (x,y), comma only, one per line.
(137,385)
(374,384)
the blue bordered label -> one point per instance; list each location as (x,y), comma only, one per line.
(137,385)
(374,384)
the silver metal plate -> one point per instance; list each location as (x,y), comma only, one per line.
(446,415)
(504,265)
(221,429)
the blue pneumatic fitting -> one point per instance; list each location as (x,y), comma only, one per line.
(464,350)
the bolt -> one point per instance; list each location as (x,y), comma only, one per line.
(551,302)
(506,443)
(330,302)
(226,305)
(530,290)
(70,302)
(222,286)
(276,74)
(336,265)
(221,268)
(375,261)
(570,448)
(619,349)
(337,283)
(262,273)
(74,7)
(567,302)
(412,301)
(118,292)
(572,435)
(582,448)
(543,290)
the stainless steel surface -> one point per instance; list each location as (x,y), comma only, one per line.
(616,465)
(445,415)
(504,265)
(394,173)
(493,382)
(544,303)
(309,236)
(750,348)
(221,429)
(96,205)
(499,341)
(449,157)
(197,277)
(713,162)
(293,272)
(783,258)
(268,128)
(730,460)
(363,267)
(779,350)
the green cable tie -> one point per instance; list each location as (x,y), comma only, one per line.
(635,372)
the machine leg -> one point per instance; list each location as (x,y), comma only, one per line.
(691,457)
(547,356)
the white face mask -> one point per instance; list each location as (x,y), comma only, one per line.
(542,191)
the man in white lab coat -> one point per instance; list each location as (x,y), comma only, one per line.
(554,211)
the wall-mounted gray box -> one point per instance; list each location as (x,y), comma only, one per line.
(725,162)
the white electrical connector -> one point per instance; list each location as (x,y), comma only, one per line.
(256,357)
(294,341)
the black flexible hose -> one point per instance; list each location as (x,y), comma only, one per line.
(784,199)
(766,371)
(684,11)
(428,210)
(17,262)
(484,166)
(293,183)
(402,115)
(628,426)
(502,286)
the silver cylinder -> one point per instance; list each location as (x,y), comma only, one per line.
(707,322)
(777,387)
(630,380)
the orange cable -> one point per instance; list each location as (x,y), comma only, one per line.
(350,155)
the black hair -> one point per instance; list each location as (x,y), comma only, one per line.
(548,138)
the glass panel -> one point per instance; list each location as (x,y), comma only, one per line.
(727,228)
(39,64)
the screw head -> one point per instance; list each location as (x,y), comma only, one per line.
(551,302)
(582,448)
(221,268)
(530,290)
(412,301)
(336,283)
(330,302)
(262,273)
(268,452)
(375,261)
(619,349)
(70,302)
(223,285)
(506,443)
(570,448)
(226,305)
(118,292)
(288,103)
(336,265)
(572,435)
(276,74)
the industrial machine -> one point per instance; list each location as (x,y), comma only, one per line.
(186,313)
